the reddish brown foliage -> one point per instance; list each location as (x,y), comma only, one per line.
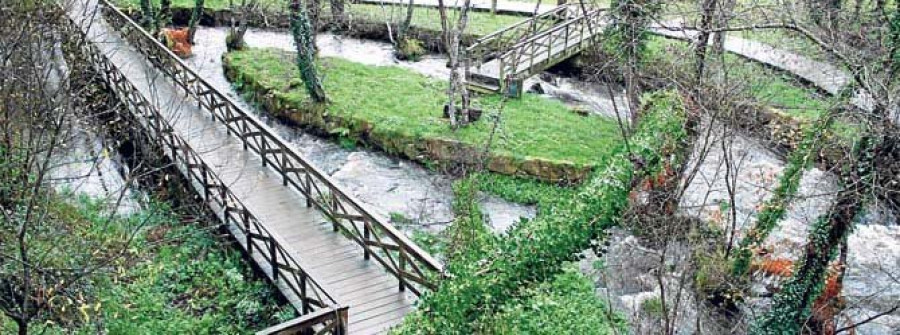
(826,306)
(177,41)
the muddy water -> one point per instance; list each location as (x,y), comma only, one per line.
(394,188)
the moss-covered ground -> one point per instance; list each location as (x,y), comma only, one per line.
(175,277)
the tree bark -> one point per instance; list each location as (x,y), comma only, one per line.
(303,33)
(708,11)
(196,14)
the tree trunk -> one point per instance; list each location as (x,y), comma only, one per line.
(235,38)
(313,8)
(338,15)
(452,41)
(302,32)
(164,18)
(404,26)
(147,16)
(196,14)
(722,20)
(708,12)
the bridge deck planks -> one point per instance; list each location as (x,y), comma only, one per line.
(332,260)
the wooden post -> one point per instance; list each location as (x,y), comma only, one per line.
(334,206)
(402,268)
(246,219)
(274,258)
(205,181)
(366,236)
(304,301)
(343,316)
(284,172)
(308,190)
(262,150)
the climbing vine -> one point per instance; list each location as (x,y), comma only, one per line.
(791,307)
(775,208)
(537,251)
(306,51)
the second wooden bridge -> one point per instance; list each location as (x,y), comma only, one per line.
(501,61)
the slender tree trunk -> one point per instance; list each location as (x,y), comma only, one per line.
(313,7)
(196,14)
(338,14)
(235,38)
(302,32)
(407,21)
(147,16)
(708,12)
(452,43)
(722,20)
(164,18)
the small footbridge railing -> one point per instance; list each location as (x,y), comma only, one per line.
(489,46)
(414,268)
(537,52)
(266,248)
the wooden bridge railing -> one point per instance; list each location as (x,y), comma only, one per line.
(414,268)
(250,233)
(550,46)
(489,46)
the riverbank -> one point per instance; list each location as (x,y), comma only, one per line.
(402,115)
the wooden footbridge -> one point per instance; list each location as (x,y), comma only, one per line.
(342,268)
(501,61)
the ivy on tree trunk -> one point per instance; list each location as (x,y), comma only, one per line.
(195,20)
(791,307)
(302,32)
(147,16)
(164,17)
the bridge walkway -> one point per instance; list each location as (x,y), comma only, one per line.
(334,261)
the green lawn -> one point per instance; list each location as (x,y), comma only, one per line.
(480,23)
(767,86)
(399,101)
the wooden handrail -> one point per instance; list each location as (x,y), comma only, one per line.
(553,12)
(577,20)
(324,319)
(231,211)
(512,57)
(378,239)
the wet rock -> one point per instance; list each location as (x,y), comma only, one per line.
(536,88)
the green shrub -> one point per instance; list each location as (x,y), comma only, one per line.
(535,252)
(565,305)
(410,49)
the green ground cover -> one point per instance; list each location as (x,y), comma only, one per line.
(176,278)
(514,269)
(768,86)
(400,101)
(480,23)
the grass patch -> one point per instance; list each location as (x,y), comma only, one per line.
(768,86)
(403,103)
(480,23)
